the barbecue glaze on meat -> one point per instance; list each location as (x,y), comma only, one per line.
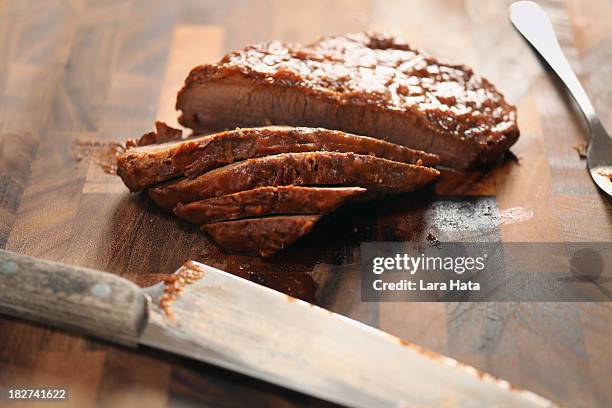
(308,169)
(163,134)
(365,84)
(142,167)
(260,236)
(267,201)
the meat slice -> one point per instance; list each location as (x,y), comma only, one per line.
(308,169)
(260,236)
(267,201)
(367,84)
(163,133)
(145,166)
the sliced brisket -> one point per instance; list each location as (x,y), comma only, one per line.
(260,236)
(312,168)
(267,201)
(144,166)
(365,84)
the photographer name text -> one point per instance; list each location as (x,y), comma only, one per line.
(421,285)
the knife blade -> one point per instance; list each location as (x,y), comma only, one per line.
(213,316)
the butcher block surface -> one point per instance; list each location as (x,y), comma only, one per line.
(105,71)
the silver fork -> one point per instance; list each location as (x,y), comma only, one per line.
(533,23)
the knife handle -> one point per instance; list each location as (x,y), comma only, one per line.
(98,303)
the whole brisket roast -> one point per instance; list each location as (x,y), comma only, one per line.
(144,166)
(366,84)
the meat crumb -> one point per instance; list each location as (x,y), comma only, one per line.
(163,133)
(100,153)
(175,284)
(581,149)
(433,240)
(605,173)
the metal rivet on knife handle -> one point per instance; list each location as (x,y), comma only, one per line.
(101,290)
(9,267)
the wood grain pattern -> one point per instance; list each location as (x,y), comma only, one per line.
(77,70)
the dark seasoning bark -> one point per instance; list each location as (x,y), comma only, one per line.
(267,200)
(261,205)
(258,188)
(145,166)
(366,84)
(262,236)
(306,169)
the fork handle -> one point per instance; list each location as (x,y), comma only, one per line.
(533,23)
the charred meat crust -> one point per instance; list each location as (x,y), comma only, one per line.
(163,133)
(267,201)
(146,166)
(308,169)
(366,84)
(260,236)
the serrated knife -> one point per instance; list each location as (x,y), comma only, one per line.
(210,315)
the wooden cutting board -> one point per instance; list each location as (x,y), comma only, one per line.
(105,71)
